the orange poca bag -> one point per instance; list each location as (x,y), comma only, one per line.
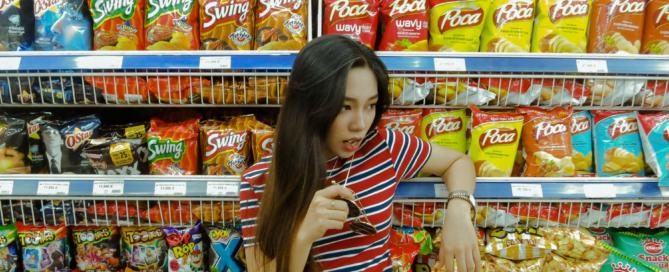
(172,25)
(656,28)
(616,26)
(173,146)
(547,146)
(357,19)
(281,25)
(407,121)
(226,24)
(406,25)
(118,25)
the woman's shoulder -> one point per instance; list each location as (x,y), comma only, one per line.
(255,175)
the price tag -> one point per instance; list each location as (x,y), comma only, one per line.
(440,191)
(10,63)
(108,187)
(53,188)
(215,62)
(599,191)
(6,187)
(592,66)
(170,189)
(527,190)
(450,64)
(99,62)
(217,188)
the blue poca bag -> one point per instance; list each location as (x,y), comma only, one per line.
(618,149)
(654,128)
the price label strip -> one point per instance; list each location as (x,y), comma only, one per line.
(218,188)
(527,190)
(450,64)
(10,63)
(215,62)
(599,191)
(53,188)
(99,62)
(440,191)
(6,187)
(592,66)
(108,187)
(170,189)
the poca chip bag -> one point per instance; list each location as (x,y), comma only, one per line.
(407,121)
(406,25)
(618,149)
(455,26)
(445,128)
(508,27)
(654,129)
(494,143)
(547,146)
(356,19)
(561,26)
(581,139)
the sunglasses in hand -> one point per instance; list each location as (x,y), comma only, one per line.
(361,223)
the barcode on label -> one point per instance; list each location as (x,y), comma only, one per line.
(108,187)
(170,189)
(215,188)
(53,188)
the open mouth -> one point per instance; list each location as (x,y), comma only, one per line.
(352,144)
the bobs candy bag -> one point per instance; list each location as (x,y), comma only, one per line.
(654,130)
(618,149)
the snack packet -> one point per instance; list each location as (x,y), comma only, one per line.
(511,92)
(581,139)
(517,244)
(117,156)
(603,235)
(617,141)
(120,90)
(556,262)
(36,149)
(495,138)
(62,25)
(575,243)
(44,248)
(646,245)
(227,145)
(407,121)
(144,248)
(654,131)
(613,92)
(616,26)
(262,142)
(176,90)
(281,25)
(561,92)
(14,157)
(455,26)
(561,26)
(491,263)
(97,248)
(226,252)
(619,261)
(656,28)
(173,146)
(16,25)
(10,258)
(64,142)
(628,214)
(185,248)
(356,19)
(445,128)
(461,92)
(403,250)
(118,26)
(226,25)
(547,146)
(654,94)
(406,25)
(508,28)
(172,26)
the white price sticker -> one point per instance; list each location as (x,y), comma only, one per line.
(10,63)
(170,189)
(6,187)
(99,62)
(450,64)
(108,187)
(599,191)
(217,188)
(592,66)
(215,62)
(440,191)
(527,190)
(53,188)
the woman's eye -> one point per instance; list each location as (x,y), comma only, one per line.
(372,106)
(346,107)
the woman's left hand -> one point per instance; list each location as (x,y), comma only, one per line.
(459,241)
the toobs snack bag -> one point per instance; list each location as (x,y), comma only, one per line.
(144,248)
(618,149)
(98,248)
(44,248)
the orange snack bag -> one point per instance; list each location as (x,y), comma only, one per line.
(616,26)
(173,146)
(406,23)
(120,89)
(547,146)
(407,121)
(280,25)
(177,90)
(225,147)
(119,26)
(656,28)
(226,24)
(495,137)
(172,25)
(263,142)
(356,19)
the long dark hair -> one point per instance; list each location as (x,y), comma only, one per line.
(315,95)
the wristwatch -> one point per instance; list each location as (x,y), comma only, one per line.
(466,196)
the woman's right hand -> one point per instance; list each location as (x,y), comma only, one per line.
(326,211)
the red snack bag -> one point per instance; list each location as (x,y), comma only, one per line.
(121,89)
(357,19)
(656,28)
(176,89)
(547,144)
(627,214)
(118,26)
(616,26)
(172,25)
(511,91)
(407,121)
(406,25)
(173,146)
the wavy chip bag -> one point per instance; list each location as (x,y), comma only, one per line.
(654,130)
(226,24)
(561,26)
(406,25)
(618,149)
(656,28)
(356,19)
(445,128)
(456,26)
(281,25)
(616,26)
(172,25)
(581,139)
(508,26)
(495,137)
(547,146)
(117,25)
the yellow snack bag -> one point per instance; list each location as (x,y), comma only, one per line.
(455,26)
(445,128)
(508,26)
(517,244)
(494,142)
(561,26)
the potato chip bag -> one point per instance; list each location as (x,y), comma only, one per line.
(575,243)
(495,137)
(97,248)
(62,25)
(561,26)
(620,261)
(8,248)
(16,25)
(226,24)
(656,28)
(172,25)
(117,25)
(547,146)
(263,142)
(517,244)
(281,25)
(456,26)
(508,26)
(176,90)
(405,24)
(618,148)
(581,140)
(225,148)
(144,248)
(356,19)
(616,26)
(654,131)
(173,146)
(121,89)
(445,128)
(492,264)
(407,121)
(650,246)
(556,262)
(226,251)
(185,251)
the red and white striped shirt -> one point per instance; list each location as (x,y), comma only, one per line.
(384,158)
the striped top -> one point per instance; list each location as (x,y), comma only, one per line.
(385,157)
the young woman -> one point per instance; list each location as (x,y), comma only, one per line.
(327,191)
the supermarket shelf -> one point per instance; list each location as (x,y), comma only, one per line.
(527,189)
(283,60)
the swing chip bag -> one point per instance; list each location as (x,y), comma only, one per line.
(280,25)
(226,24)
